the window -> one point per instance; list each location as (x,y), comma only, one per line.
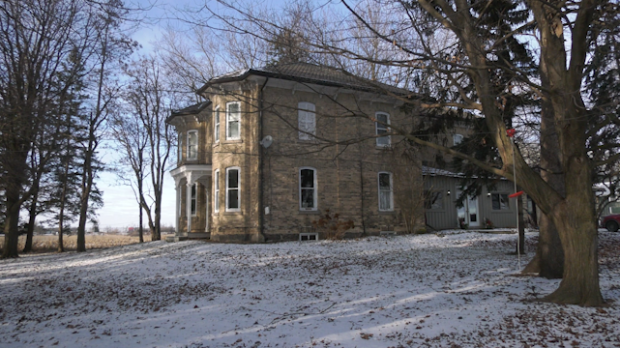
(381,127)
(457,139)
(216,125)
(303,237)
(500,201)
(232,189)
(306,120)
(179,147)
(307,189)
(216,191)
(192,145)
(433,200)
(385,192)
(233,121)
(193,199)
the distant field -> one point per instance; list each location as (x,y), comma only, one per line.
(50,243)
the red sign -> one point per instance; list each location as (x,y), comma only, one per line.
(516,194)
(511,132)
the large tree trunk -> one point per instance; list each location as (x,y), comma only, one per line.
(31,221)
(580,283)
(549,259)
(11,233)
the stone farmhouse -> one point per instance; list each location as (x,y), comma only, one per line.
(272,150)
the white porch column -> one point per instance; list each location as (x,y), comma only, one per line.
(188,205)
(177,189)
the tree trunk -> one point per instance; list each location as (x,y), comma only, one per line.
(31,222)
(140,227)
(580,283)
(521,240)
(11,233)
(549,259)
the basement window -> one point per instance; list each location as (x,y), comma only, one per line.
(303,237)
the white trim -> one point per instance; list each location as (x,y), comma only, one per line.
(238,189)
(216,125)
(228,137)
(216,191)
(195,157)
(391,208)
(315,189)
(383,127)
(306,109)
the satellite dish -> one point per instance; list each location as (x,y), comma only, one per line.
(267,141)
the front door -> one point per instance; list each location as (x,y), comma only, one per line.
(468,213)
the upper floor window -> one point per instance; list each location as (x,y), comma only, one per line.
(233,121)
(500,201)
(193,199)
(457,139)
(192,145)
(216,125)
(307,189)
(216,191)
(306,120)
(386,201)
(232,189)
(382,127)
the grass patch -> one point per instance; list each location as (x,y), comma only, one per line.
(47,243)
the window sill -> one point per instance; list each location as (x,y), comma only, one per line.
(227,212)
(232,141)
(310,212)
(387,212)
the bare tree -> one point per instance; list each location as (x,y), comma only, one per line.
(477,70)
(144,136)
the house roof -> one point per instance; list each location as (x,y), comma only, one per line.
(308,73)
(189,110)
(440,172)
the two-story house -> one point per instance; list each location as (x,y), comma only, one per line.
(273,149)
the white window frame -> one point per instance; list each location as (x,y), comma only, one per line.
(216,191)
(457,139)
(238,189)
(315,189)
(193,199)
(189,145)
(391,191)
(228,121)
(306,110)
(384,127)
(216,125)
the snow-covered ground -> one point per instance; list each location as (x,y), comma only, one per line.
(446,290)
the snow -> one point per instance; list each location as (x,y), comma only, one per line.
(454,289)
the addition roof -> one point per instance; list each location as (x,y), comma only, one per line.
(189,110)
(309,73)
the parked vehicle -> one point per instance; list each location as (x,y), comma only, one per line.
(611,222)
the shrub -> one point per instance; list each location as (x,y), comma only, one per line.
(331,225)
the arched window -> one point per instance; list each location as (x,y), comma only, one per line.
(306,120)
(382,127)
(216,125)
(192,145)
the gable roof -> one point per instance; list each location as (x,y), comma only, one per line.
(308,73)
